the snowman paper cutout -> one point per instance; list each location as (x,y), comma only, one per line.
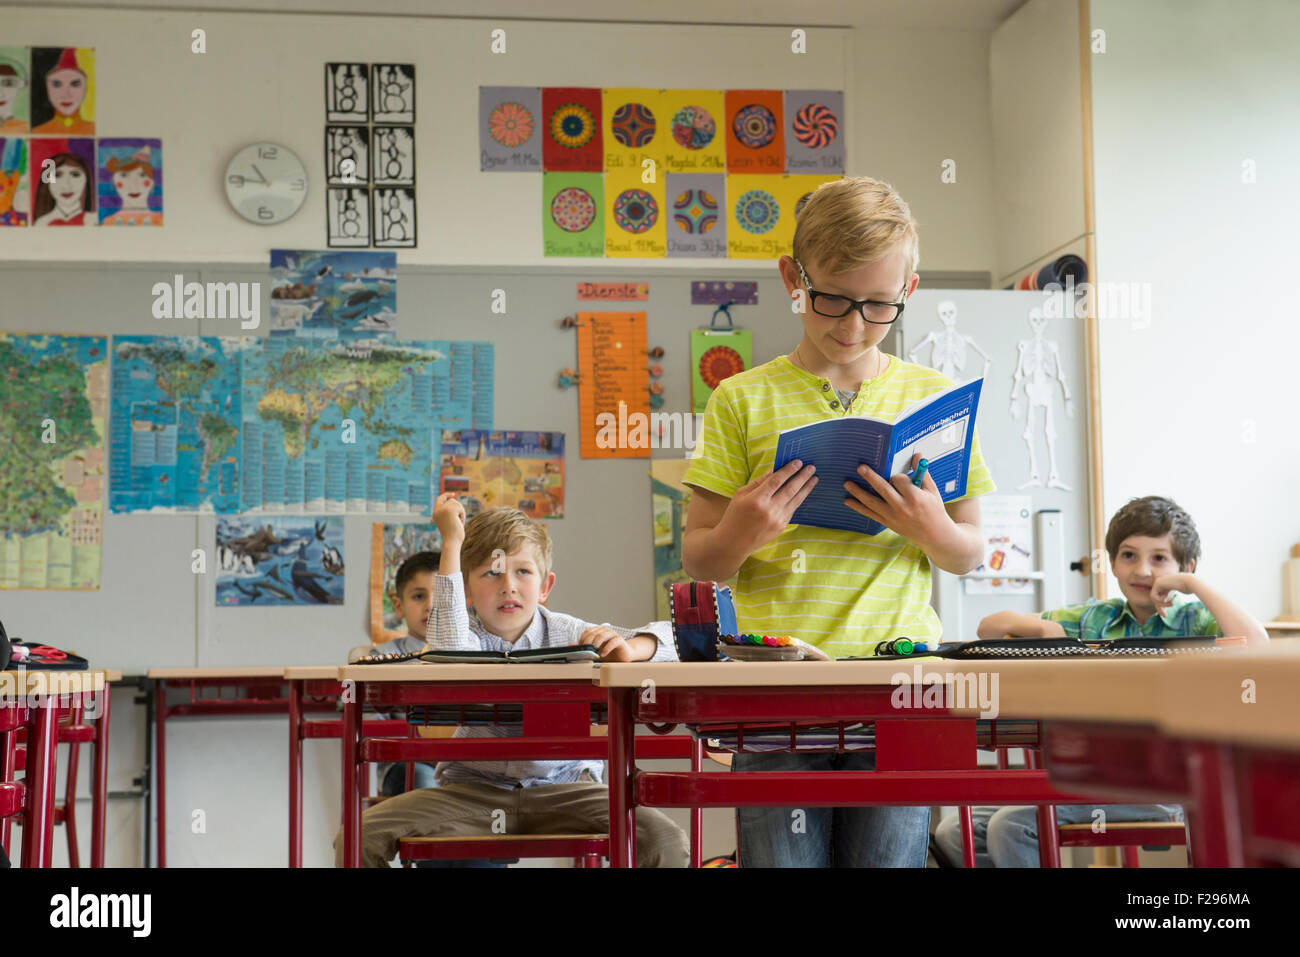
(1038,362)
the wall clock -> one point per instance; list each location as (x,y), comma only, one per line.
(266,183)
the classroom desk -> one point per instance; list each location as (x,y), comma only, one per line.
(1236,765)
(31,699)
(317,684)
(263,687)
(559,729)
(924,755)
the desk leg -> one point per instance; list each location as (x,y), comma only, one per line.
(697,813)
(99,781)
(38,824)
(1214,819)
(968,833)
(622,769)
(75,714)
(295,774)
(351,779)
(160,768)
(1049,845)
(8,758)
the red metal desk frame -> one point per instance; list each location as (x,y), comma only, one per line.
(924,756)
(566,723)
(35,795)
(323,692)
(265,695)
(1240,799)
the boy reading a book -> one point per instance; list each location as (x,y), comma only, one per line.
(853,268)
(494,576)
(1153,548)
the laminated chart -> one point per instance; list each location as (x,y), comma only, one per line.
(53,407)
(523,470)
(390,545)
(175,423)
(340,427)
(614,385)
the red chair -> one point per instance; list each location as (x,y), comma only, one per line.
(74,732)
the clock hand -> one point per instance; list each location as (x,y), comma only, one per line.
(259,174)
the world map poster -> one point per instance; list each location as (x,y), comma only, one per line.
(53,406)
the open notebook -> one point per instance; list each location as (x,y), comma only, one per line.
(529,656)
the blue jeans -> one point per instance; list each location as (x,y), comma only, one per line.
(1008,836)
(394,783)
(824,836)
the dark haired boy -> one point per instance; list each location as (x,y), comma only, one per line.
(1153,548)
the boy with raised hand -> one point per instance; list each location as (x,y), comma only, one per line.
(853,268)
(495,574)
(1153,548)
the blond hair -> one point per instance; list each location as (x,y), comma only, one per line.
(507,529)
(854,222)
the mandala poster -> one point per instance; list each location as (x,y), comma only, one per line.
(755,137)
(572,224)
(571,132)
(634,216)
(697,142)
(759,224)
(794,193)
(814,141)
(696,223)
(509,128)
(717,354)
(635,130)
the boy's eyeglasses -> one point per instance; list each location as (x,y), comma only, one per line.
(833,307)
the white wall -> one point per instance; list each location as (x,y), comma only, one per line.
(1036,110)
(1199,404)
(914,98)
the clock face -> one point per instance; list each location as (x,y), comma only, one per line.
(266,183)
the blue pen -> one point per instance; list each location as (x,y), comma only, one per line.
(921,467)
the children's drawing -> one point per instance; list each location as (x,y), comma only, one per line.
(1038,362)
(948,348)
(15,91)
(130,182)
(347,92)
(347,216)
(347,155)
(63,94)
(395,217)
(62,173)
(14,196)
(393,156)
(392,89)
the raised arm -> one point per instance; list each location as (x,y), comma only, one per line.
(449,628)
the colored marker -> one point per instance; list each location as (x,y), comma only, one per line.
(920,472)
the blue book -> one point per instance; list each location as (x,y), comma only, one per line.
(939,427)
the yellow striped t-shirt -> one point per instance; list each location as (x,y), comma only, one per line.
(846,591)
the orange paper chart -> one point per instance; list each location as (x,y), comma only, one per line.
(613,392)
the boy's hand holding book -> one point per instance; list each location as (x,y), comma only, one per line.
(608,643)
(760,510)
(915,513)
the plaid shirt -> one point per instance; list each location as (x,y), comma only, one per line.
(453,627)
(1113,618)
